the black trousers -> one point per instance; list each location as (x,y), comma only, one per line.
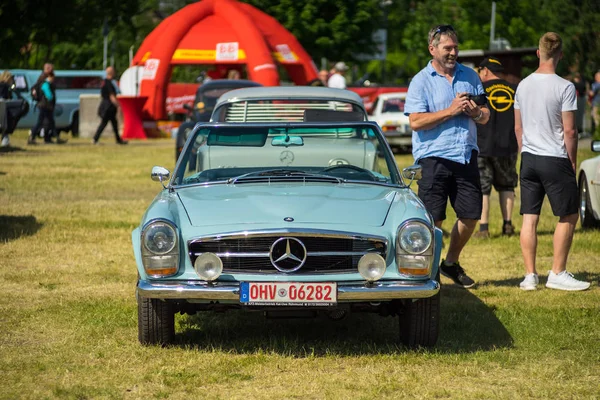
(113,121)
(44,115)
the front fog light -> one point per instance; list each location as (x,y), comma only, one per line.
(371,266)
(208,266)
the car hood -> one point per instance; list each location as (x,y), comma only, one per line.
(366,205)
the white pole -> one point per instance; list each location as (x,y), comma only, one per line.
(104,60)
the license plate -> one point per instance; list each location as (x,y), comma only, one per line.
(288,294)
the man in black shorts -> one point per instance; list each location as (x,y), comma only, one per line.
(443,119)
(497,144)
(545,126)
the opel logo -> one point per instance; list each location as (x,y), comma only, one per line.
(287,254)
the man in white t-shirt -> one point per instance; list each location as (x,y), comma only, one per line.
(337,80)
(545,127)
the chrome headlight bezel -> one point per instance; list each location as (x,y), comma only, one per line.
(157,262)
(415,263)
(161,228)
(416,226)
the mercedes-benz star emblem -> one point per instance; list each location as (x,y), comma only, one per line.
(287,254)
(286,157)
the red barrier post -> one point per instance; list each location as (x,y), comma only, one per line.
(132,107)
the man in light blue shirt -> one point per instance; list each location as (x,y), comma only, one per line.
(443,118)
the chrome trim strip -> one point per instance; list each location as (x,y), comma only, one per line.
(290,232)
(239,255)
(379,291)
(310,254)
(339,253)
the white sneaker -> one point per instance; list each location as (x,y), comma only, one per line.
(5,141)
(530,282)
(565,281)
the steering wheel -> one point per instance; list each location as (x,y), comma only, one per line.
(350,167)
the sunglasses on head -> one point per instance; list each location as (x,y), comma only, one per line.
(443,29)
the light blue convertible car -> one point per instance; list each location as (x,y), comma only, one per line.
(288,218)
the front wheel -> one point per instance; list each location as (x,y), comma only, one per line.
(585,206)
(156,321)
(420,321)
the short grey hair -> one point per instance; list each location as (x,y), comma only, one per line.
(435,34)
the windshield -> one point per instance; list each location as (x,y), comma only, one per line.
(329,153)
(394,104)
(209,97)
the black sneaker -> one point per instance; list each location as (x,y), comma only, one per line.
(457,274)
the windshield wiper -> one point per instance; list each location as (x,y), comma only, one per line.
(284,173)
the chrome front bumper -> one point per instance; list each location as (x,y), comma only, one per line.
(378,291)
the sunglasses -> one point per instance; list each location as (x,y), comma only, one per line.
(443,29)
(440,29)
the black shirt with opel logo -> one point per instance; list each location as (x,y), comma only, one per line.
(497,137)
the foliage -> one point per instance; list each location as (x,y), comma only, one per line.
(71,35)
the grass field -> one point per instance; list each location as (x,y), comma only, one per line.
(68,316)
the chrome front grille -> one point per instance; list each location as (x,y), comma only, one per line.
(326,252)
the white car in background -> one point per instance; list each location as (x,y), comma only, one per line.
(589,190)
(388,112)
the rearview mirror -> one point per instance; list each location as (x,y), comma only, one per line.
(287,141)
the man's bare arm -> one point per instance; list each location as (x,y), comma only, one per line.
(571,138)
(519,128)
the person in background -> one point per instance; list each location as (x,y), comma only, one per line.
(546,131)
(234,74)
(443,120)
(581,90)
(337,79)
(46,111)
(594,94)
(498,150)
(108,106)
(46,69)
(6,85)
(324,76)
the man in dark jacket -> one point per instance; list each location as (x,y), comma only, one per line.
(109,106)
(498,147)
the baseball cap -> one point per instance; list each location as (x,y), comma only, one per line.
(493,64)
(341,66)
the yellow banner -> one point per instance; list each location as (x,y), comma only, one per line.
(201,55)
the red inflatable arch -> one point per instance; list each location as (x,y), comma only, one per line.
(223,32)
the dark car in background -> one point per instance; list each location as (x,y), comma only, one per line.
(204,103)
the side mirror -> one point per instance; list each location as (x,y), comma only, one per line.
(595,145)
(160,174)
(412,173)
(187,106)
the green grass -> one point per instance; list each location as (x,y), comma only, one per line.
(68,316)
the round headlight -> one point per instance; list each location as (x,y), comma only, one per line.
(415,238)
(371,266)
(160,238)
(208,266)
